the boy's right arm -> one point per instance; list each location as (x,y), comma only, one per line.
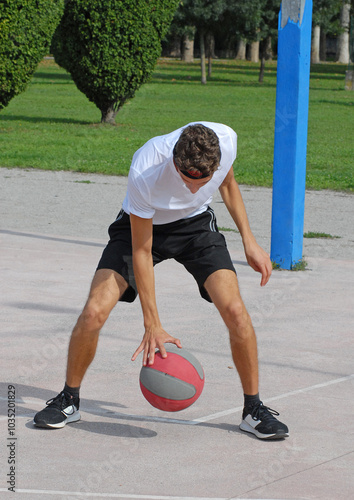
(154,336)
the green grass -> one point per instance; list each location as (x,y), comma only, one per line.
(301,265)
(228,230)
(313,234)
(53,126)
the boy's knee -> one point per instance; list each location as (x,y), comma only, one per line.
(237,315)
(93,317)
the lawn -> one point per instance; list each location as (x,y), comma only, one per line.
(53,126)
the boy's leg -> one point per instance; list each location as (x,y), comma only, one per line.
(257,419)
(106,289)
(223,289)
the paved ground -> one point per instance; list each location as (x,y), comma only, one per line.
(53,228)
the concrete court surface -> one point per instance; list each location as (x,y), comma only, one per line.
(53,228)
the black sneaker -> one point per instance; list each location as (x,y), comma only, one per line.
(59,411)
(260,421)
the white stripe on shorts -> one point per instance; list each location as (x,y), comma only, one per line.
(212,224)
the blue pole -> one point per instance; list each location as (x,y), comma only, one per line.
(290,137)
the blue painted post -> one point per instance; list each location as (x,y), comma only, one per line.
(290,138)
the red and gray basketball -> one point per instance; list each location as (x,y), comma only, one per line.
(172,383)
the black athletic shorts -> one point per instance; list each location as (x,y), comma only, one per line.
(194,242)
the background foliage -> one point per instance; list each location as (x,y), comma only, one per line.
(110,47)
(26,29)
(53,126)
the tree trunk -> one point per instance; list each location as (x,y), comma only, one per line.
(241,50)
(323,46)
(265,54)
(343,38)
(209,65)
(109,115)
(210,51)
(188,48)
(255,52)
(263,47)
(349,79)
(269,50)
(261,71)
(202,58)
(315,45)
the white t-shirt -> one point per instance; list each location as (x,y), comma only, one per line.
(155,188)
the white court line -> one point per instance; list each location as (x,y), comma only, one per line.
(200,420)
(190,422)
(119,495)
(111,495)
(275,398)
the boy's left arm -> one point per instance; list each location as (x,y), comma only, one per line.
(256,257)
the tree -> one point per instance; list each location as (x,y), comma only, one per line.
(250,20)
(324,20)
(315,44)
(182,32)
(26,28)
(254,21)
(343,38)
(110,47)
(268,29)
(203,16)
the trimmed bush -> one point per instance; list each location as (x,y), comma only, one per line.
(26,29)
(110,47)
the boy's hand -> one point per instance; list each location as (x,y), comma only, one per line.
(154,338)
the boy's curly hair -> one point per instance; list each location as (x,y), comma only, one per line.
(197,150)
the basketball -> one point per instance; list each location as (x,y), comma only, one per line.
(172,383)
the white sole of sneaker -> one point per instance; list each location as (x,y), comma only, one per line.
(246,427)
(71,418)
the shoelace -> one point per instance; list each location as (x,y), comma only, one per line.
(61,401)
(261,412)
